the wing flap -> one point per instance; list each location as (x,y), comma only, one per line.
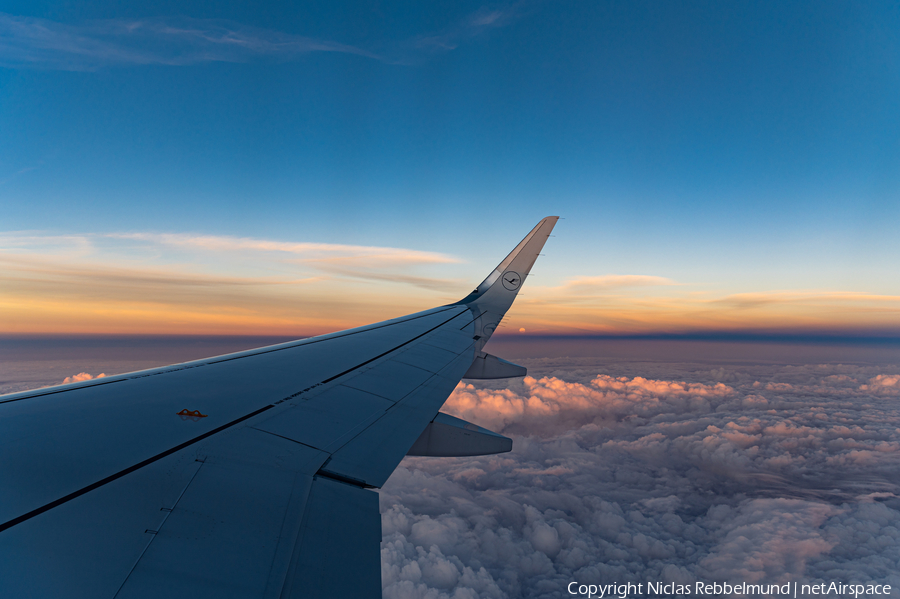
(373,455)
(84,548)
(338,553)
(233,531)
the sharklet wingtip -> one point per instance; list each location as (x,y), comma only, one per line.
(494,296)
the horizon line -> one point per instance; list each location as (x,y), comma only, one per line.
(827,337)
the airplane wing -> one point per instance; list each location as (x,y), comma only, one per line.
(245,475)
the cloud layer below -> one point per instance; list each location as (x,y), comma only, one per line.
(758,474)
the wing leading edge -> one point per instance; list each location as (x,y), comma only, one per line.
(246,475)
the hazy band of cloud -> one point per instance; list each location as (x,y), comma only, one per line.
(175,282)
(475,24)
(34,42)
(244,283)
(29,42)
(310,251)
(585,284)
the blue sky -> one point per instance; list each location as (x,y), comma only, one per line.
(730,148)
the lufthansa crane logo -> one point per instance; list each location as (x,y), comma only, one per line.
(511,280)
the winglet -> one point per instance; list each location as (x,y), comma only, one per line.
(519,261)
(495,295)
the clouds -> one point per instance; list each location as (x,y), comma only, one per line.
(642,304)
(584,284)
(346,260)
(188,283)
(81,376)
(41,43)
(473,25)
(883,384)
(781,473)
(231,284)
(162,248)
(310,252)
(551,404)
(29,42)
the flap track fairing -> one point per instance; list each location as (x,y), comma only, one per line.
(486,366)
(448,436)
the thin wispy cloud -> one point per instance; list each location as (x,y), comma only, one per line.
(310,252)
(585,284)
(116,253)
(29,42)
(370,263)
(18,173)
(207,276)
(41,43)
(758,300)
(45,268)
(642,304)
(175,282)
(476,24)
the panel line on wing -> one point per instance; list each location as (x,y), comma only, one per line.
(129,470)
(268,432)
(328,380)
(168,513)
(347,480)
(479,315)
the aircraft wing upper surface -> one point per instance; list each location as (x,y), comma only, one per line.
(245,475)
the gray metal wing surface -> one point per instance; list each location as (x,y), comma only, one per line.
(247,475)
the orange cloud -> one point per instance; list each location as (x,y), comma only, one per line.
(81,376)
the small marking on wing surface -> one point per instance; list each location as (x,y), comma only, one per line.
(193,415)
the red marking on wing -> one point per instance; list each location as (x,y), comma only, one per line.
(194,413)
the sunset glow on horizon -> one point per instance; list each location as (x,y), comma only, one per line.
(295,171)
(180,284)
